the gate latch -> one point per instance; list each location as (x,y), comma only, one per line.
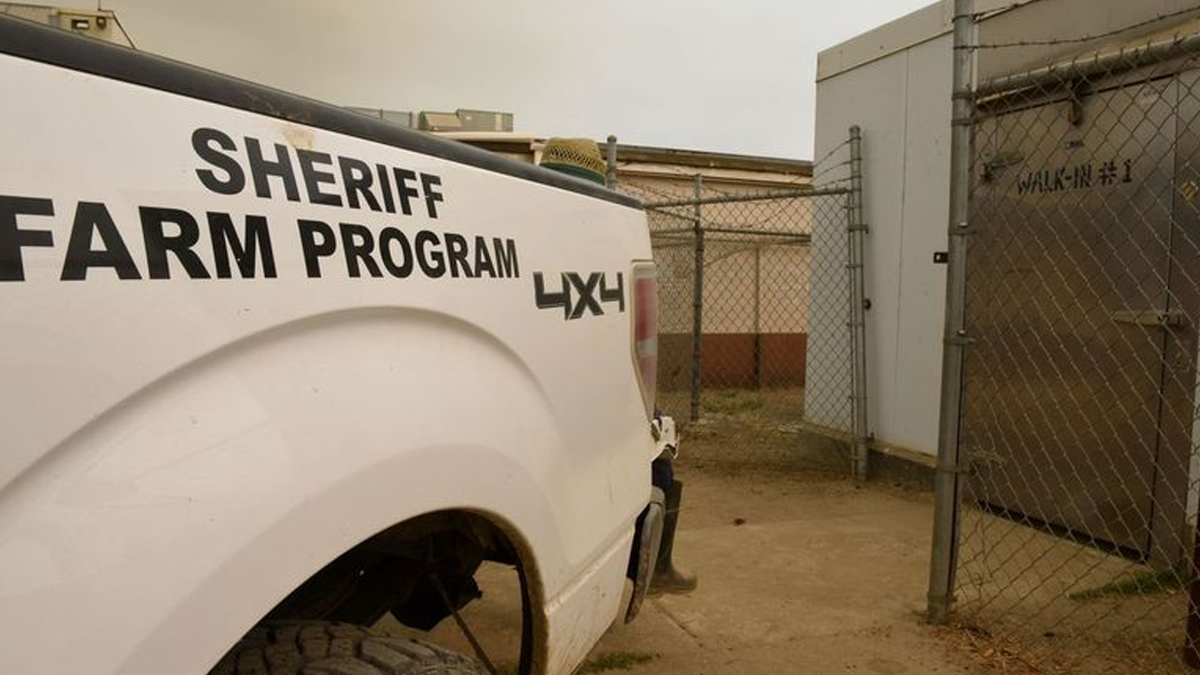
(1156,318)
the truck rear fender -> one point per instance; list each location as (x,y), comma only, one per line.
(282,451)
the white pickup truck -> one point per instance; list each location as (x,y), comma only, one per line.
(269,368)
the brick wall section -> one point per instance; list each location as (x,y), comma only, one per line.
(729,360)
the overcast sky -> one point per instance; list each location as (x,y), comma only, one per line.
(719,75)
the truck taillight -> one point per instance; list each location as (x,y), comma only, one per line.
(645,330)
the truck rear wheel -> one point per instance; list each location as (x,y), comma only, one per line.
(325,648)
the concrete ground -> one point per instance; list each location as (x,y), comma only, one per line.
(800,572)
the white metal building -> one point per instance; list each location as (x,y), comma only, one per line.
(895,83)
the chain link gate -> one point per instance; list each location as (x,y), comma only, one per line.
(759,315)
(1068,468)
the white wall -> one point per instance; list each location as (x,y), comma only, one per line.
(895,83)
(902,104)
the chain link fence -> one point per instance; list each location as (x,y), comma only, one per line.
(756,353)
(1075,473)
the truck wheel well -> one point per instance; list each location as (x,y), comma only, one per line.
(400,569)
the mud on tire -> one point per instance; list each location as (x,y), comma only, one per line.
(324,648)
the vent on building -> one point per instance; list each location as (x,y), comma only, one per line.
(101,24)
(436,121)
(398,117)
(465,120)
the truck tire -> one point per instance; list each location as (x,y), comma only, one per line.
(325,648)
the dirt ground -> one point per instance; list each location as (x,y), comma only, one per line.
(800,572)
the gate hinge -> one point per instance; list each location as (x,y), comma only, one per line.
(1151,317)
(963,469)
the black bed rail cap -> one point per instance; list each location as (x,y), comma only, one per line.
(45,44)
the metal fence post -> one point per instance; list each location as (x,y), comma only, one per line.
(757,317)
(856,229)
(697,298)
(944,554)
(610,172)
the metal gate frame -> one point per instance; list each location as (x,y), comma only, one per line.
(1109,581)
(850,189)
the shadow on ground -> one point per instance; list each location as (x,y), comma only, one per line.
(800,571)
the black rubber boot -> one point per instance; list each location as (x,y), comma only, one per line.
(668,578)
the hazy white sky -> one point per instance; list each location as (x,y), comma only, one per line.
(720,75)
